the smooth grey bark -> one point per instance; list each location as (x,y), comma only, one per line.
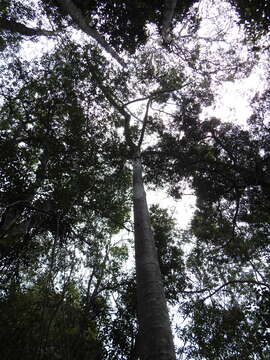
(70,8)
(155,336)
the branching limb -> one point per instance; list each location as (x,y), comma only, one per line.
(101,269)
(155,94)
(144,123)
(260,283)
(163,112)
(137,100)
(115,103)
(69,7)
(223,146)
(234,221)
(16,27)
(106,91)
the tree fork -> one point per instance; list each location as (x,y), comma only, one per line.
(156,341)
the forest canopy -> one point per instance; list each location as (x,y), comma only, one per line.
(101,102)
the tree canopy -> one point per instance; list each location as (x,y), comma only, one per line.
(123,89)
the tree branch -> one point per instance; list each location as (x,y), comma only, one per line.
(155,94)
(224,285)
(144,123)
(15,27)
(118,106)
(70,8)
(105,90)
(99,276)
(137,100)
(234,222)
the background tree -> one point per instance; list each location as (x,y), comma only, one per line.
(228,168)
(255,16)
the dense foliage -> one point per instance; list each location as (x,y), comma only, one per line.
(255,15)
(130,18)
(67,285)
(228,168)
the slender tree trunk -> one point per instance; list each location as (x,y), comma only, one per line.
(156,341)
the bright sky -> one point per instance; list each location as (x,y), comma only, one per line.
(181,210)
(233,98)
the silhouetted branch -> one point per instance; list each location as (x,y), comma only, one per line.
(16,27)
(144,124)
(69,7)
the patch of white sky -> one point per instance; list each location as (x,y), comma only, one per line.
(232,98)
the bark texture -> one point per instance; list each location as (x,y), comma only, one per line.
(156,341)
(70,8)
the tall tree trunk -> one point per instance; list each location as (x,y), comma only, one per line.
(156,341)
